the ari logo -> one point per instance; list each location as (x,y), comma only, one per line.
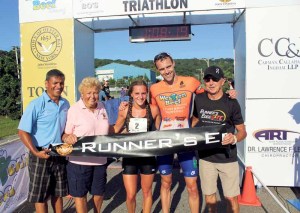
(264,135)
(46,44)
(225,1)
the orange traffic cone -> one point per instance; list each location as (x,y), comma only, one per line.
(248,196)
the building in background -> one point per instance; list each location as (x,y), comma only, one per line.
(121,71)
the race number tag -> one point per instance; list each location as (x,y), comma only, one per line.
(138,125)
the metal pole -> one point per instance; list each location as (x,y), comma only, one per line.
(17,61)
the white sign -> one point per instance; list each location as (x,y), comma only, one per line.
(43,10)
(273,52)
(98,8)
(273,141)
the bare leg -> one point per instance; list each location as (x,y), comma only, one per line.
(211,203)
(41,207)
(98,200)
(146,183)
(81,204)
(232,204)
(130,183)
(192,188)
(57,204)
(165,192)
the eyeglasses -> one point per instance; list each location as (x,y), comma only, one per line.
(214,79)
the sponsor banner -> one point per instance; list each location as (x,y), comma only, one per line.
(42,10)
(273,52)
(146,144)
(45,46)
(13,176)
(92,8)
(273,141)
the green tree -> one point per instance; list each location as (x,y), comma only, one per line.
(10,85)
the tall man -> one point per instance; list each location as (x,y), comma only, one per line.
(174,97)
(42,125)
(213,107)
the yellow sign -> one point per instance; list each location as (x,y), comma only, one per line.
(45,46)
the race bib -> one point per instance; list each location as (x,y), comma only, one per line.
(137,125)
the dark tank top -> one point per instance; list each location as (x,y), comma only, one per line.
(150,126)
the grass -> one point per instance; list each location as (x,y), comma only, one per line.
(8,126)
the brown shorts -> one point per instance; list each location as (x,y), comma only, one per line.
(228,173)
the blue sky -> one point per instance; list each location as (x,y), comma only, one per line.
(209,41)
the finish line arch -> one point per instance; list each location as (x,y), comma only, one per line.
(60,34)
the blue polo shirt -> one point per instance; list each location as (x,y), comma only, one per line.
(44,120)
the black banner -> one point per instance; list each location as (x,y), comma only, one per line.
(147,143)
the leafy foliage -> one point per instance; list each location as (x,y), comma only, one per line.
(186,67)
(10,83)
(10,86)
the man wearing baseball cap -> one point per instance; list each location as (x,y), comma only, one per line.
(214,107)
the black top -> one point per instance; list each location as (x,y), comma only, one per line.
(216,112)
(150,125)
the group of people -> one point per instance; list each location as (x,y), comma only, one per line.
(49,120)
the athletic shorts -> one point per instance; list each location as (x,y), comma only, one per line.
(228,173)
(47,177)
(187,161)
(83,179)
(143,165)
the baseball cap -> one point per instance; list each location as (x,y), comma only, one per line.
(214,71)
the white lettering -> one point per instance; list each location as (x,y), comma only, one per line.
(190,141)
(88,146)
(209,138)
(149,144)
(165,142)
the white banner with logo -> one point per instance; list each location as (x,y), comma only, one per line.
(273,141)
(13,175)
(42,10)
(272,94)
(91,8)
(273,52)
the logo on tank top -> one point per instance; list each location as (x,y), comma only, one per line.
(172,99)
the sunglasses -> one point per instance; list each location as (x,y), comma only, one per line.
(211,78)
(161,56)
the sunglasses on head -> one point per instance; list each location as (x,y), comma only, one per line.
(214,79)
(161,56)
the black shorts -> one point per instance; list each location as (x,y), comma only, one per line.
(46,177)
(143,165)
(84,178)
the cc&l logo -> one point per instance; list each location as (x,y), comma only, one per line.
(46,43)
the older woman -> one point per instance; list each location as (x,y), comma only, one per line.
(87,117)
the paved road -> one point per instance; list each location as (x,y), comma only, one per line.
(115,197)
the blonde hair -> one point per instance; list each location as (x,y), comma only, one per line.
(89,82)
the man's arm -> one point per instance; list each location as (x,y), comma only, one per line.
(195,121)
(27,141)
(156,115)
(237,137)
